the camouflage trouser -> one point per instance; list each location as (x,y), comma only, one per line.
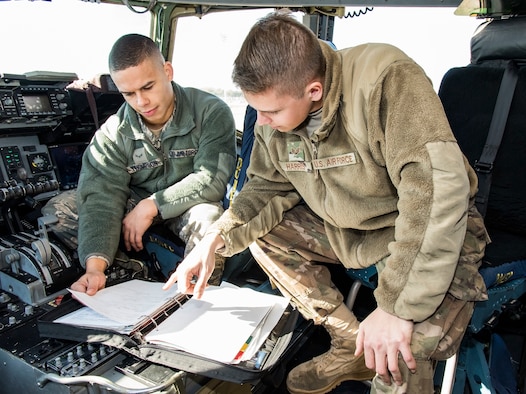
(190,227)
(64,207)
(289,253)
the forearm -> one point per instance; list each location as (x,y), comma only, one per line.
(203,186)
(248,220)
(430,231)
(97,264)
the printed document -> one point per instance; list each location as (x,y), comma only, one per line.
(220,324)
(122,307)
(228,324)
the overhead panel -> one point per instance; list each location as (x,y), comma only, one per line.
(292,3)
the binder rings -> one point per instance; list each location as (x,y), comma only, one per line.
(283,340)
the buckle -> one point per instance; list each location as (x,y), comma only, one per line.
(484,168)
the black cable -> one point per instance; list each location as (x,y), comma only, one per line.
(353,14)
(149,8)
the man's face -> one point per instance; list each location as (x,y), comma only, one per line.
(147,88)
(282,111)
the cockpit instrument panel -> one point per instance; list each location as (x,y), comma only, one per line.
(32,102)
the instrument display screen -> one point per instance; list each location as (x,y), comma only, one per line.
(36,103)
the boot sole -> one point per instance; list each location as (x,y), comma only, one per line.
(333,385)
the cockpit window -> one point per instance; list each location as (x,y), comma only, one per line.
(205,61)
(64,35)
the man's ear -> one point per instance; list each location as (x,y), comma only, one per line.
(315,91)
(169,70)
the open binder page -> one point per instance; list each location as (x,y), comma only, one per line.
(127,303)
(225,325)
(87,317)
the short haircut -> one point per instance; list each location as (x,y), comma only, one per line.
(132,49)
(278,53)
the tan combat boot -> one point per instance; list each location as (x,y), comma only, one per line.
(326,371)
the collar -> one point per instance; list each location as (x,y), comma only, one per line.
(155,139)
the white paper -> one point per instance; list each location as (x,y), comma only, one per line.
(87,317)
(129,302)
(217,325)
(269,323)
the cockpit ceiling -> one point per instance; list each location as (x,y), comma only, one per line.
(290,3)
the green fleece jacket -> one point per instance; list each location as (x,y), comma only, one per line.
(383,171)
(196,160)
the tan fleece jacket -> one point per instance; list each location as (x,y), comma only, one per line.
(383,171)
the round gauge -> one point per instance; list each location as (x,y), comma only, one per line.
(39,163)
